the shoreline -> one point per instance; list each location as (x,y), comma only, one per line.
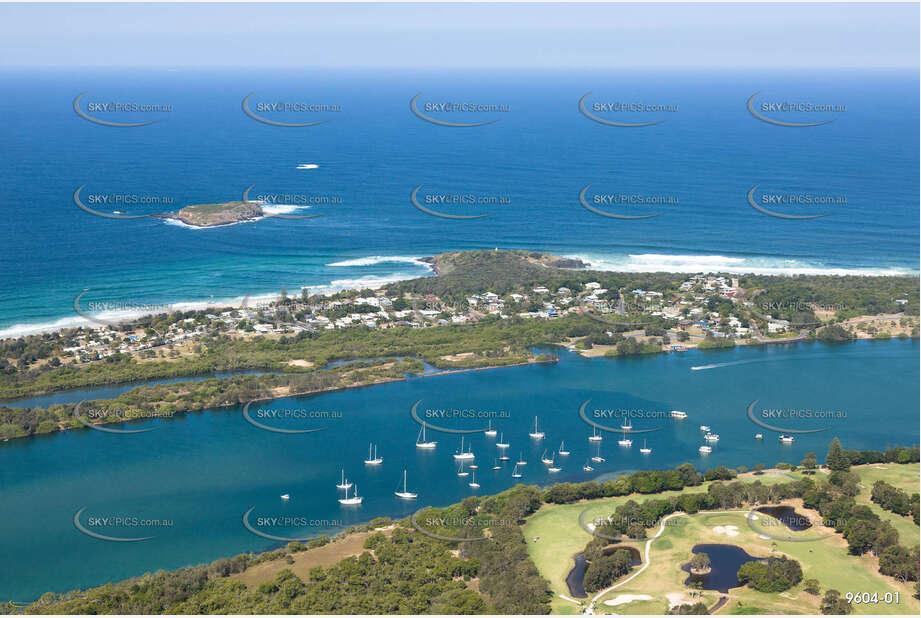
(695,264)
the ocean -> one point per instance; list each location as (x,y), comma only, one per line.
(525,170)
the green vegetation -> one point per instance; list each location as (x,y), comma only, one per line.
(771,575)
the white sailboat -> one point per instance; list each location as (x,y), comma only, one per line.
(544,459)
(421,442)
(594,437)
(553,467)
(355,499)
(474,467)
(496,465)
(408,495)
(462,454)
(705,428)
(473,482)
(628,426)
(502,443)
(759,436)
(285,497)
(705,450)
(644,450)
(786,439)
(587,467)
(625,441)
(521,460)
(678,414)
(344,483)
(490,431)
(373,460)
(712,437)
(597,458)
(563,450)
(515,473)
(537,434)
(461,472)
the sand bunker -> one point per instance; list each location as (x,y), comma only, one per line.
(677,598)
(622,599)
(727,530)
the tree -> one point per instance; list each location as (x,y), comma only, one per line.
(700,563)
(811,586)
(809,461)
(836,459)
(833,604)
(605,569)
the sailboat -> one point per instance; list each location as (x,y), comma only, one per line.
(375,460)
(625,441)
(462,454)
(515,473)
(521,460)
(405,494)
(501,443)
(503,456)
(473,482)
(490,431)
(460,470)
(536,434)
(644,450)
(355,499)
(587,467)
(421,442)
(594,437)
(628,426)
(553,467)
(562,450)
(544,459)
(344,484)
(285,497)
(597,458)
(496,465)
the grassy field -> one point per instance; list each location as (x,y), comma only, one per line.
(559,537)
(904,477)
(325,556)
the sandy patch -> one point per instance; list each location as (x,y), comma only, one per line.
(457,357)
(677,598)
(727,530)
(622,599)
(300,363)
(753,517)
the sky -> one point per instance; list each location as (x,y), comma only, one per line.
(453,36)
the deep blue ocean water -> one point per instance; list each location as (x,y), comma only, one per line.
(202,471)
(372,153)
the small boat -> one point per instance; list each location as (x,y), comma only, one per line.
(598,459)
(473,482)
(553,469)
(594,437)
(501,443)
(628,426)
(375,460)
(421,442)
(536,434)
(544,459)
(678,414)
(117,212)
(408,495)
(461,472)
(521,460)
(490,431)
(705,450)
(712,437)
(786,439)
(496,465)
(462,454)
(307,166)
(355,499)
(504,458)
(625,441)
(474,467)
(515,473)
(644,450)
(344,483)
(587,467)
(286,496)
(562,450)
(705,428)
(759,436)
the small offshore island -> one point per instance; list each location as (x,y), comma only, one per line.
(212,215)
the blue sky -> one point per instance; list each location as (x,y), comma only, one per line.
(461,35)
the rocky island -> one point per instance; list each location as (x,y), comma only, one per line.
(210,215)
